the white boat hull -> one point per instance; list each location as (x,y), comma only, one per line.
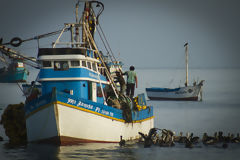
(64,124)
(190,93)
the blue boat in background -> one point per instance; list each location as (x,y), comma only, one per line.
(14,73)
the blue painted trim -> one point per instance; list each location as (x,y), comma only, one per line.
(70,73)
(162,89)
(37,103)
(93,107)
(90,53)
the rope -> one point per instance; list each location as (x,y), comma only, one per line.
(112,57)
(107,42)
(103,42)
(108,74)
(107,47)
(21,90)
(9,52)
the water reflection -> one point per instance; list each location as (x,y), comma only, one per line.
(114,151)
(96,151)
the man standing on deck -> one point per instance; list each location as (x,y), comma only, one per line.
(131,81)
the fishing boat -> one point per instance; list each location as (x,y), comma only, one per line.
(79,101)
(14,73)
(186,93)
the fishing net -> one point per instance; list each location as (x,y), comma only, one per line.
(13,121)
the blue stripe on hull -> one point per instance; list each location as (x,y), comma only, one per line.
(174,99)
(85,105)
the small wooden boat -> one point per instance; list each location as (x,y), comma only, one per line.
(186,93)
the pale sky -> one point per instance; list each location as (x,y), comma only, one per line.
(143,33)
(146,33)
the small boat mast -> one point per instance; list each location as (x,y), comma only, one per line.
(186,54)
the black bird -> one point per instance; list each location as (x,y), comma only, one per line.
(178,138)
(152,132)
(122,142)
(238,137)
(207,140)
(148,139)
(227,138)
(194,139)
(234,139)
(183,139)
(188,143)
(220,136)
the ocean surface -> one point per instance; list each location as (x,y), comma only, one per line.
(219,111)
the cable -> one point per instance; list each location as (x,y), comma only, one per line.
(16,41)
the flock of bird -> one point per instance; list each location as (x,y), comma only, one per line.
(167,138)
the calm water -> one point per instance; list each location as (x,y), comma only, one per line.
(219,110)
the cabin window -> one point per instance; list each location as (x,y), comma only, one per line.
(61,65)
(84,64)
(75,63)
(94,67)
(20,64)
(89,65)
(47,64)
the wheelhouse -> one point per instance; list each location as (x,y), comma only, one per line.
(74,72)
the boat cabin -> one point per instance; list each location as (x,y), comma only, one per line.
(72,70)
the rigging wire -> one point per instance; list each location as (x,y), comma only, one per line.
(11,53)
(22,90)
(110,54)
(103,42)
(2,58)
(99,55)
(16,41)
(101,34)
(107,42)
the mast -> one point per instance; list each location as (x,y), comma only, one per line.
(77,37)
(186,59)
(85,16)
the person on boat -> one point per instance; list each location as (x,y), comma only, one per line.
(131,81)
(121,81)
